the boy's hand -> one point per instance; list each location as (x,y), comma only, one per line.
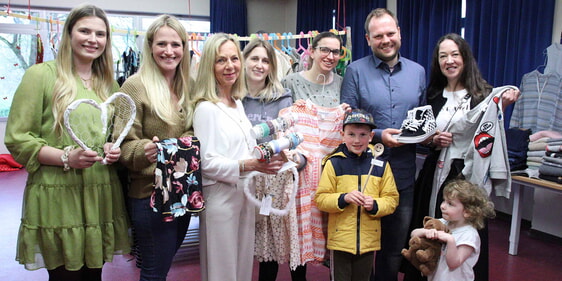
(355,197)
(368,203)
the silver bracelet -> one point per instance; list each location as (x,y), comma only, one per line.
(241,164)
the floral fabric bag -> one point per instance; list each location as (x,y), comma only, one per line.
(177,178)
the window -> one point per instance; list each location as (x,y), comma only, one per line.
(19,40)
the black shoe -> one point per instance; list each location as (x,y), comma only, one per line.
(418,126)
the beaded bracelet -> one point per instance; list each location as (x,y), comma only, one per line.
(64,158)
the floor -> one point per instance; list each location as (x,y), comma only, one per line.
(539,258)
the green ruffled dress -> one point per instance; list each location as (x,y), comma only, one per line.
(72,218)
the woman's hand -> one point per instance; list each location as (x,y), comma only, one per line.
(79,158)
(111,155)
(151,150)
(271,167)
(510,96)
(443,139)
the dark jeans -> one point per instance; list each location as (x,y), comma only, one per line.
(394,232)
(156,240)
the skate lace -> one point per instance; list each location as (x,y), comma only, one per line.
(412,124)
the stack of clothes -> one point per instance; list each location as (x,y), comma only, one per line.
(538,156)
(517,141)
(551,166)
(537,150)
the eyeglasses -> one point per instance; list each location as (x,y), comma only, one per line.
(325,51)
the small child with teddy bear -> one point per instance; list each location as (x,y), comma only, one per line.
(464,208)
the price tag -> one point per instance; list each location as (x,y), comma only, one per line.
(265,207)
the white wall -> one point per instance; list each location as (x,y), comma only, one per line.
(176,7)
(272,16)
(557,28)
(3,149)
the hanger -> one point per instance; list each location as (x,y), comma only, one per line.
(301,48)
(346,54)
(286,46)
(306,54)
(273,40)
(277,38)
(194,37)
(541,67)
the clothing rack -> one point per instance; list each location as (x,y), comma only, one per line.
(192,36)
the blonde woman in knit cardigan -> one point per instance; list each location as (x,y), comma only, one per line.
(161,91)
(220,123)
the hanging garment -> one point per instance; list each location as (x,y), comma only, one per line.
(321,128)
(40,50)
(277,235)
(177,178)
(539,108)
(479,139)
(554,59)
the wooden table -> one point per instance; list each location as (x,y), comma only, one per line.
(517,184)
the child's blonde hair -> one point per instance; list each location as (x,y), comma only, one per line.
(474,199)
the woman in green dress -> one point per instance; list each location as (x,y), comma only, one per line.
(74,217)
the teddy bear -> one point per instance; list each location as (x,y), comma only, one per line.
(424,253)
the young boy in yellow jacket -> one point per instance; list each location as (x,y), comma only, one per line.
(356,189)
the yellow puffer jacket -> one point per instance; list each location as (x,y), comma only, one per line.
(352,229)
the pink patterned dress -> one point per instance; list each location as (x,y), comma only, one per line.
(321,128)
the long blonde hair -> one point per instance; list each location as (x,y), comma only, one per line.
(206,84)
(157,88)
(66,88)
(273,88)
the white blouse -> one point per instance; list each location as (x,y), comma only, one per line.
(224,133)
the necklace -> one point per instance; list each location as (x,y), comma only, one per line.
(85,80)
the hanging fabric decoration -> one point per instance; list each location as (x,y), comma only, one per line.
(40,50)
(29,9)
